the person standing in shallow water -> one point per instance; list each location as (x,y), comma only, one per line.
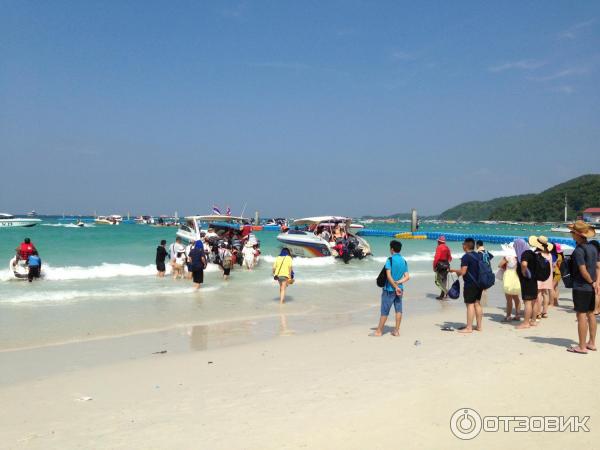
(161,256)
(283,272)
(396,270)
(441,266)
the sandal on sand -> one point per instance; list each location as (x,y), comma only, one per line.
(516,318)
(591,349)
(576,350)
(544,315)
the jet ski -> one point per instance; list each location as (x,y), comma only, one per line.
(20,269)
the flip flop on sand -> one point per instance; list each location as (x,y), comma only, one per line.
(592,349)
(576,350)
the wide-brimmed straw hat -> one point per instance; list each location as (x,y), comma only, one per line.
(541,243)
(583,229)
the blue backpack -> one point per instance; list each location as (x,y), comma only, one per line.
(486,278)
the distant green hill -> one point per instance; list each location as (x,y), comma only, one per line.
(548,206)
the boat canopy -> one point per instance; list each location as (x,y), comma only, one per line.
(329,220)
(217,218)
(229,225)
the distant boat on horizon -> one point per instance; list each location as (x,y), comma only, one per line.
(32,213)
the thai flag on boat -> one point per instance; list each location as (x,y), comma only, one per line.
(216,210)
(228,212)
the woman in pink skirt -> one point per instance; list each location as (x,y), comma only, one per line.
(545,287)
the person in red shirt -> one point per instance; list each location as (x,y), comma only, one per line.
(441,265)
(25,249)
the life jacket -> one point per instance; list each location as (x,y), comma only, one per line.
(25,250)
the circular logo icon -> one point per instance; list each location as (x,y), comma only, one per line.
(465,424)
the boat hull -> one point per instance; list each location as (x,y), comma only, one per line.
(11,223)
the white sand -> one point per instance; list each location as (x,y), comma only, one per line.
(335,389)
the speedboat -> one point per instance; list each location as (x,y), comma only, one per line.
(219,224)
(144,220)
(276,222)
(80,223)
(113,219)
(8,220)
(307,238)
(166,221)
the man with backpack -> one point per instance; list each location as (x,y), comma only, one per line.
(391,279)
(584,278)
(477,276)
(487,259)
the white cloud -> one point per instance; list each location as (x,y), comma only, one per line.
(281,65)
(565,89)
(399,55)
(573,31)
(561,74)
(524,64)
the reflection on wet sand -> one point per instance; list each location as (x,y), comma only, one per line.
(205,337)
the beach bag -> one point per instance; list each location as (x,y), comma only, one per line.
(454,291)
(542,268)
(442,266)
(227,261)
(382,277)
(486,278)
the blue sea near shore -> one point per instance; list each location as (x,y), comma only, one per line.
(100,282)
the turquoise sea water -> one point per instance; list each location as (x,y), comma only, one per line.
(100,282)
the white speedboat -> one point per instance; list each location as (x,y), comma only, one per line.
(113,219)
(144,220)
(192,227)
(8,220)
(311,241)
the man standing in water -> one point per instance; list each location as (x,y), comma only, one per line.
(469,270)
(396,270)
(161,255)
(583,266)
(441,265)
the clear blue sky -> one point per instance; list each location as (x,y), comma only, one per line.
(298,108)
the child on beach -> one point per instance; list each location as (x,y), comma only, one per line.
(397,274)
(512,286)
(178,263)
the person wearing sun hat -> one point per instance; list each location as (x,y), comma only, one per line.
(583,267)
(544,247)
(441,265)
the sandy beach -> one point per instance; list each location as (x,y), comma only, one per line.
(330,388)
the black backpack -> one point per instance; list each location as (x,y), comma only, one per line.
(382,277)
(542,268)
(568,269)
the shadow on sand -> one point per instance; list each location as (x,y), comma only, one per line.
(559,342)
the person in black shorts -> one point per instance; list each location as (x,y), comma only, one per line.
(469,270)
(161,255)
(197,264)
(585,278)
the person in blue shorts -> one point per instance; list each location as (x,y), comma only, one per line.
(396,270)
